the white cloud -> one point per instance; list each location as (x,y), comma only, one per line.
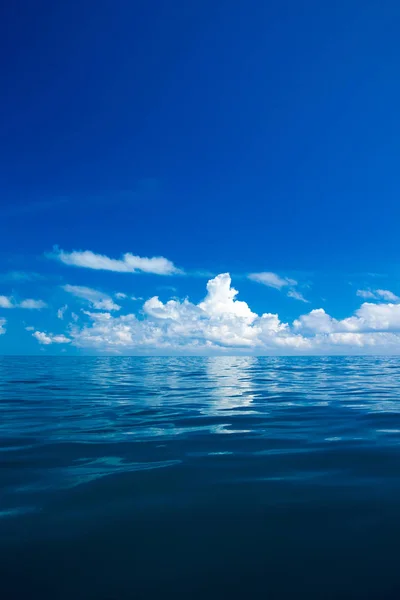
(220,300)
(316,321)
(29,328)
(221,323)
(217,323)
(278,283)
(95,298)
(366,294)
(297,296)
(369,317)
(375,317)
(387,295)
(49,338)
(272,280)
(129,263)
(378,295)
(61,311)
(32,304)
(2,324)
(6,302)
(120,295)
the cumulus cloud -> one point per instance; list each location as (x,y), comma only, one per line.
(369,317)
(316,321)
(2,326)
(375,317)
(30,303)
(49,338)
(222,323)
(378,295)
(61,311)
(129,263)
(96,299)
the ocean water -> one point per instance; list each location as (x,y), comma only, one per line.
(227,477)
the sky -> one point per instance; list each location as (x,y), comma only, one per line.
(199,177)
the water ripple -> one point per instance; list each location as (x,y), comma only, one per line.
(66,422)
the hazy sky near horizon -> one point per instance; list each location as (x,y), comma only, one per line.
(157,157)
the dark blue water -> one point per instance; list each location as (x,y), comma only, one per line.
(199,478)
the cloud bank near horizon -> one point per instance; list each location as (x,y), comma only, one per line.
(221,323)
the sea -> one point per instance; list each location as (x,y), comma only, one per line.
(199,477)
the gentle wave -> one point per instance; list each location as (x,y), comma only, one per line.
(154,411)
(221,448)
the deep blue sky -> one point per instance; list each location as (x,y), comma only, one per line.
(239,136)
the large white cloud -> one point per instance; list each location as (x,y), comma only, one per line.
(221,323)
(129,263)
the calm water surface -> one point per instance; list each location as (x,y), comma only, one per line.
(231,477)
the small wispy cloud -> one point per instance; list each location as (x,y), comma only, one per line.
(29,303)
(98,300)
(6,302)
(378,295)
(272,280)
(32,304)
(366,294)
(277,282)
(297,296)
(2,326)
(387,295)
(61,311)
(128,263)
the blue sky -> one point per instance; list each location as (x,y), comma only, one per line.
(252,138)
